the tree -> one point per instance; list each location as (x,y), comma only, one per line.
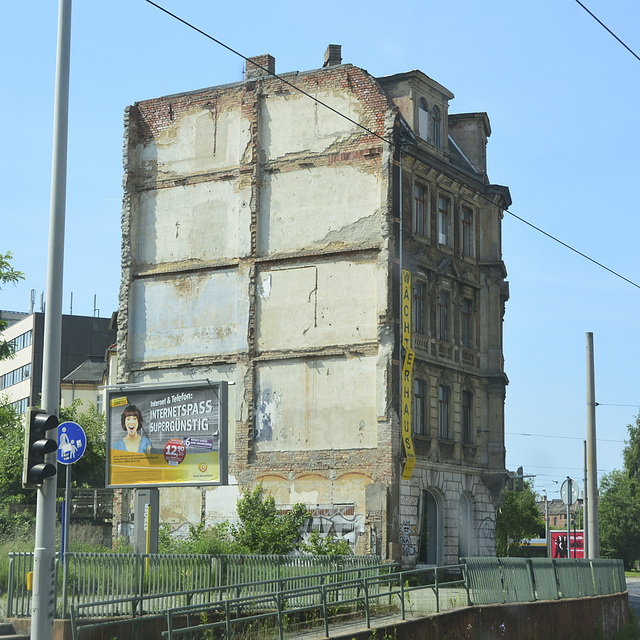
(8,275)
(619,517)
(12,455)
(87,472)
(619,504)
(262,529)
(518,519)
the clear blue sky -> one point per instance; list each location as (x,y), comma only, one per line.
(562,96)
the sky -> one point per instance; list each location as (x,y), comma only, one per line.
(562,96)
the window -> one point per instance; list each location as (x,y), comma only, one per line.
(420,218)
(15,376)
(467,405)
(419,306)
(467,231)
(436,125)
(464,530)
(20,342)
(20,406)
(444,235)
(419,407)
(443,411)
(423,119)
(465,323)
(428,550)
(99,403)
(443,313)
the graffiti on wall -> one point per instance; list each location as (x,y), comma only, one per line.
(409,526)
(487,537)
(409,531)
(340,520)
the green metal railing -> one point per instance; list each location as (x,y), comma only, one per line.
(501,580)
(114,579)
(235,588)
(367,592)
(273,598)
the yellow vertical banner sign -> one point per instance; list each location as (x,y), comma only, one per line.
(407,370)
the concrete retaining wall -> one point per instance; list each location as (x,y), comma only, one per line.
(575,619)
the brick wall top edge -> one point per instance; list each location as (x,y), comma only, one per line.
(266,81)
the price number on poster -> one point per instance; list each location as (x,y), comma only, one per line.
(174,451)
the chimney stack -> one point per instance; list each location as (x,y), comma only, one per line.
(333,55)
(266,66)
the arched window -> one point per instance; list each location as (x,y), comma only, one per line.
(429,549)
(423,119)
(436,137)
(464,530)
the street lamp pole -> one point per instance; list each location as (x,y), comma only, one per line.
(546,522)
(43,603)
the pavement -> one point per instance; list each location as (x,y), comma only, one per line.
(633,587)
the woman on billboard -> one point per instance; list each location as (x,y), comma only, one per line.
(133,441)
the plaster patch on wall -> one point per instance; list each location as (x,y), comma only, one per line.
(268,415)
(265,288)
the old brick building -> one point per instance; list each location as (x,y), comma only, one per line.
(266,240)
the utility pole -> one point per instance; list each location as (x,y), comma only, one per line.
(593,530)
(43,604)
(546,524)
(585,503)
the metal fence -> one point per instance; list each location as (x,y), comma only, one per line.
(501,580)
(105,583)
(267,609)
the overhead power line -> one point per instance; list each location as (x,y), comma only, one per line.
(542,435)
(604,26)
(382,138)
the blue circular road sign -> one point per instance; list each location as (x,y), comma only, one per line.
(72,442)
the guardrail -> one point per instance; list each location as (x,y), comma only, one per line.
(502,580)
(367,593)
(108,578)
(277,597)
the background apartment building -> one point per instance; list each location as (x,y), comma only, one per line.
(265,238)
(21,376)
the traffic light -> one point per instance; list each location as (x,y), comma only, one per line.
(36,446)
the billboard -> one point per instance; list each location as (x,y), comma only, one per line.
(559,544)
(167,435)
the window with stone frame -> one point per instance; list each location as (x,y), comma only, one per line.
(420,210)
(419,311)
(443,316)
(466,323)
(423,119)
(444,221)
(443,412)
(466,220)
(467,417)
(419,407)
(436,127)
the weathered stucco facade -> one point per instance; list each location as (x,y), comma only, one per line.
(262,246)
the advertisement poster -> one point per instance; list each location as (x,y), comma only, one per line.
(167,435)
(559,544)
(407,370)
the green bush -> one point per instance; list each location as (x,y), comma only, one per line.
(318,546)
